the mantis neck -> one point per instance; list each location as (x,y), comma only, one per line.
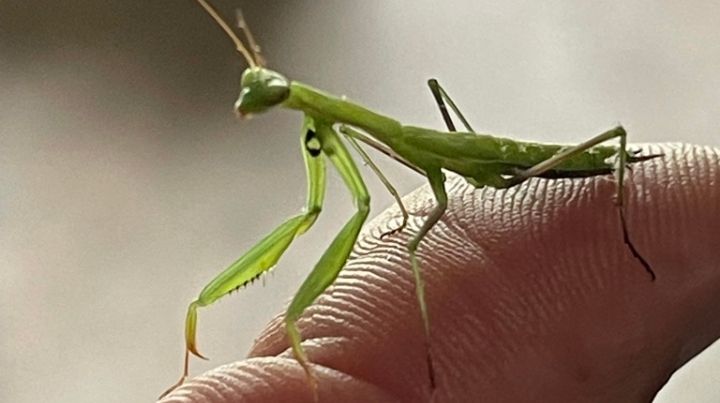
(323,106)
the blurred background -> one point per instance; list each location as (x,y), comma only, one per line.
(126,182)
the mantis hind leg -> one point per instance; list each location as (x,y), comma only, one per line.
(619,169)
(437,184)
(441,97)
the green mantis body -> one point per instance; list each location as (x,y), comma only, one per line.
(483,160)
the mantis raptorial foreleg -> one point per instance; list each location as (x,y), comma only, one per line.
(266,253)
(329,265)
(366,158)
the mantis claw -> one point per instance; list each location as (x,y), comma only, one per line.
(393,231)
(190,326)
(193,349)
(175,386)
(182,379)
(405,218)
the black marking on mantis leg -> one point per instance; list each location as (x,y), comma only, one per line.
(312,143)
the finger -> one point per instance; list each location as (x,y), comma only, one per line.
(274,379)
(531,293)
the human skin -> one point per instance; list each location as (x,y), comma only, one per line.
(532,297)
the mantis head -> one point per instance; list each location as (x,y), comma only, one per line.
(261,89)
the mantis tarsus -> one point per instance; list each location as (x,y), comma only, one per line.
(483,160)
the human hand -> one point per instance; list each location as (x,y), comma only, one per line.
(532,297)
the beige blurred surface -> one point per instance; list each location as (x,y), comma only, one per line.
(126,182)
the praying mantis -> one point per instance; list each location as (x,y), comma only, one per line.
(332,122)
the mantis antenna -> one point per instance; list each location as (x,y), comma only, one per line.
(254,47)
(238,43)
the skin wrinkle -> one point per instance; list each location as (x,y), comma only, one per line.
(375,273)
(223,385)
(385,268)
(258,376)
(205,389)
(558,307)
(342,342)
(234,376)
(355,276)
(379,322)
(366,307)
(652,170)
(352,321)
(589,254)
(450,248)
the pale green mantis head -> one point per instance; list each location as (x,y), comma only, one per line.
(260,88)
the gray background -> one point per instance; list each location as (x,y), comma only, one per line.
(126,182)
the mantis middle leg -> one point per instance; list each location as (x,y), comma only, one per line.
(366,158)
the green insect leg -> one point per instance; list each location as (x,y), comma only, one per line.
(441,96)
(437,184)
(621,166)
(266,253)
(366,158)
(331,262)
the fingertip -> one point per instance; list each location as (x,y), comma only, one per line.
(274,379)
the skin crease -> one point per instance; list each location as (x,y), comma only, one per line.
(532,295)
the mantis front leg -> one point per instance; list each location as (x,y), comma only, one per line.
(263,256)
(334,258)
